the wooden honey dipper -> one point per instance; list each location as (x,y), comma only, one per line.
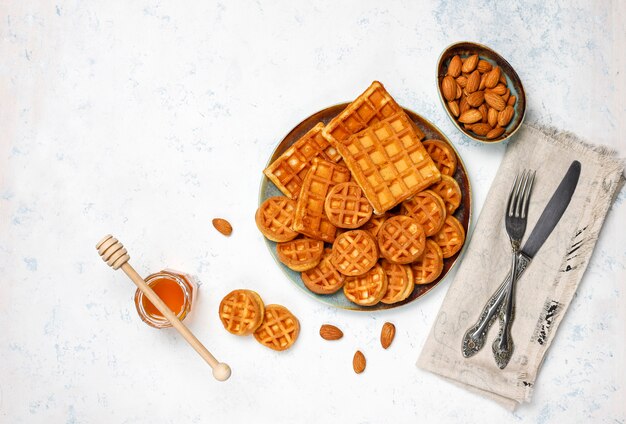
(116,256)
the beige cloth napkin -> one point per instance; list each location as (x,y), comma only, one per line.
(545,290)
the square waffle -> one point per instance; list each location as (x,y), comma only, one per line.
(310,219)
(373,106)
(288,171)
(389,162)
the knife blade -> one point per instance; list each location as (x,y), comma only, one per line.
(474,338)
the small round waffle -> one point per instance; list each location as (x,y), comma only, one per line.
(448,189)
(451,237)
(354,252)
(324,278)
(274,218)
(401,239)
(280,328)
(399,278)
(443,155)
(241,312)
(346,206)
(428,208)
(366,289)
(429,266)
(300,254)
(373,225)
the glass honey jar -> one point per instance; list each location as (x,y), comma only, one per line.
(176,289)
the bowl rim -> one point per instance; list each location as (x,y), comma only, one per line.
(443,101)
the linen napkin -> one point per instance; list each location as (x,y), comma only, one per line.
(545,290)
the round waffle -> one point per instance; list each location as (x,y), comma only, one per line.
(443,155)
(451,237)
(448,189)
(429,266)
(241,312)
(280,328)
(274,218)
(324,278)
(373,225)
(428,209)
(300,254)
(346,206)
(354,252)
(399,278)
(366,289)
(401,239)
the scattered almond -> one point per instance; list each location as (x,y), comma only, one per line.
(454,68)
(470,64)
(470,116)
(448,88)
(505,116)
(223,226)
(330,332)
(358,362)
(495,101)
(387,334)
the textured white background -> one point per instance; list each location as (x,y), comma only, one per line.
(148,118)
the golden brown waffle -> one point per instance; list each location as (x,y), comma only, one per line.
(310,219)
(288,171)
(429,266)
(280,328)
(324,278)
(451,237)
(241,312)
(354,252)
(373,225)
(428,208)
(367,289)
(300,254)
(399,278)
(346,206)
(443,155)
(373,106)
(401,239)
(275,217)
(448,189)
(389,162)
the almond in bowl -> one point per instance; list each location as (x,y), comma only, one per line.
(481,92)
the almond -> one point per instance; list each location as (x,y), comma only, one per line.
(387,334)
(506,95)
(495,101)
(470,63)
(493,77)
(483,111)
(454,68)
(476,98)
(454,108)
(358,362)
(496,132)
(223,226)
(480,128)
(492,117)
(481,86)
(503,78)
(505,116)
(330,332)
(473,82)
(459,92)
(499,89)
(470,116)
(511,101)
(462,81)
(463,105)
(483,66)
(448,88)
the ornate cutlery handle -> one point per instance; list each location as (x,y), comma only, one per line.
(474,338)
(503,346)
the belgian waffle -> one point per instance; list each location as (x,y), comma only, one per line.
(354,252)
(429,266)
(428,209)
(310,218)
(288,171)
(443,155)
(451,237)
(367,289)
(241,312)
(324,278)
(275,217)
(401,239)
(300,254)
(448,189)
(399,278)
(346,206)
(279,329)
(389,162)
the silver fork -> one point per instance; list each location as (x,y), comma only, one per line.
(515,223)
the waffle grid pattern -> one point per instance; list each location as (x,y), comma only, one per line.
(429,266)
(401,239)
(451,237)
(354,253)
(240,312)
(428,209)
(398,278)
(346,206)
(280,328)
(275,217)
(448,189)
(300,251)
(367,289)
(324,278)
(443,156)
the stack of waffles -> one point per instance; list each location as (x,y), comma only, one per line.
(369,184)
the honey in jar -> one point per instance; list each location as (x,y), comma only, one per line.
(176,289)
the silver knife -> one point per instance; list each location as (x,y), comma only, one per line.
(474,338)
